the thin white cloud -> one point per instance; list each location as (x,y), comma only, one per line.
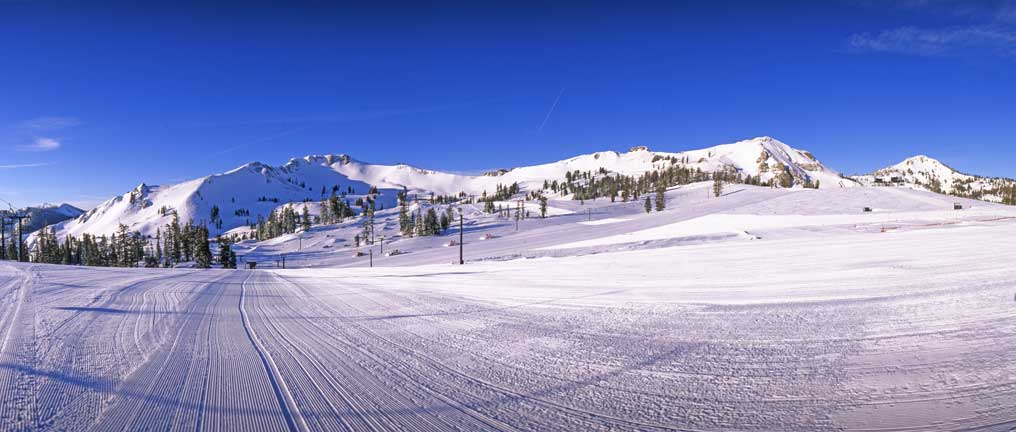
(983,11)
(937,42)
(42,144)
(26,165)
(50,123)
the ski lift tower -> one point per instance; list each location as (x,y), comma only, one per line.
(22,257)
(3,234)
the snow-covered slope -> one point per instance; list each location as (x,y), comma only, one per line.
(44,215)
(896,331)
(254,189)
(692,216)
(241,195)
(923,172)
(768,158)
(763,156)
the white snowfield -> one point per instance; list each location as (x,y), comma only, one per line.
(814,318)
(692,216)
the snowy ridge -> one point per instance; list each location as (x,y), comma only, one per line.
(766,157)
(45,215)
(926,173)
(255,189)
(240,194)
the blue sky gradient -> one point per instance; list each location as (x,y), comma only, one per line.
(98,98)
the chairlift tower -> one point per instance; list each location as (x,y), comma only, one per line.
(22,257)
(3,235)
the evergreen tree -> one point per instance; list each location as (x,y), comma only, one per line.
(661,198)
(717,185)
(431,225)
(445,221)
(158,245)
(202,252)
(305,218)
(216,220)
(226,255)
(649,205)
(405,222)
(326,213)
(124,247)
(418,224)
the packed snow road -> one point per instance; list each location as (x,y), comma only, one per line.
(879,331)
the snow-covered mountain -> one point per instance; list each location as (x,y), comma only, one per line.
(239,195)
(44,215)
(254,189)
(763,156)
(926,173)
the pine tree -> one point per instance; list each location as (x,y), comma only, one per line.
(661,198)
(226,255)
(124,246)
(202,252)
(158,245)
(543,206)
(326,216)
(305,218)
(419,228)
(649,205)
(445,221)
(431,226)
(405,223)
(216,220)
(717,185)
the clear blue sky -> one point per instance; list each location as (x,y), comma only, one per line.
(98,98)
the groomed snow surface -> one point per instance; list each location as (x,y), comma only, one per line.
(820,320)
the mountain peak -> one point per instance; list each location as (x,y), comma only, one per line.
(924,163)
(922,159)
(927,173)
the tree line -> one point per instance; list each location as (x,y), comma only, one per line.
(172,244)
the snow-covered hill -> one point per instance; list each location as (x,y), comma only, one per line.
(903,330)
(255,189)
(763,156)
(44,215)
(692,216)
(873,308)
(926,173)
(240,195)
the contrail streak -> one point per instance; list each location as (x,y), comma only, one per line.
(27,165)
(549,113)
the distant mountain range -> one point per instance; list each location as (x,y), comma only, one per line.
(45,215)
(238,197)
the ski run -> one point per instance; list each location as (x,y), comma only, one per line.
(761,309)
